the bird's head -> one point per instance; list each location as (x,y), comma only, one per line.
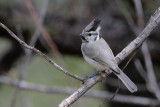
(91,32)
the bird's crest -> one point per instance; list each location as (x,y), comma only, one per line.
(93,25)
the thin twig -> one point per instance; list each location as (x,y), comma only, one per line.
(43,30)
(113,96)
(140,69)
(127,16)
(152,83)
(41,54)
(64,90)
(140,15)
(134,53)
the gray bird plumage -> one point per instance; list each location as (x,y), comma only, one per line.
(98,54)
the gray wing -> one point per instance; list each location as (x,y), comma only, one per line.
(107,59)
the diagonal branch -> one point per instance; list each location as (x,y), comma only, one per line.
(41,54)
(127,16)
(153,22)
(140,69)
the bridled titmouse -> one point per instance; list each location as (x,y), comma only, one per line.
(98,54)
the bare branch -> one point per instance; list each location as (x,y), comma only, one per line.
(93,94)
(153,22)
(41,54)
(43,30)
(127,16)
(152,83)
(140,69)
(140,15)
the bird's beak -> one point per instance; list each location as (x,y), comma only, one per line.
(81,34)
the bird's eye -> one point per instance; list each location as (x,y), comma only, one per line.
(89,34)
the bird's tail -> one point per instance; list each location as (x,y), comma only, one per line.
(127,82)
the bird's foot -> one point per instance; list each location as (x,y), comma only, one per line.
(92,75)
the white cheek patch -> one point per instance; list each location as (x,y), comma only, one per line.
(98,29)
(97,37)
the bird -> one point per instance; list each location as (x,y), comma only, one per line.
(98,54)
